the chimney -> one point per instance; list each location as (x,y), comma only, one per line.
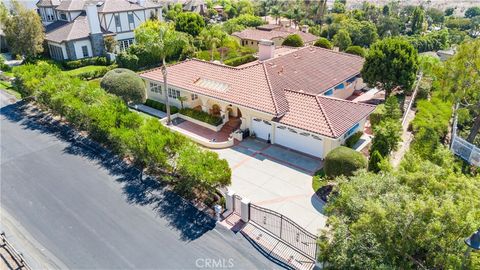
(304,28)
(92,17)
(266,49)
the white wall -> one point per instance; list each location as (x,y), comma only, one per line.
(107,20)
(78,48)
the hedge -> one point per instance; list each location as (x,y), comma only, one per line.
(343,161)
(125,84)
(377,115)
(237,61)
(108,120)
(202,116)
(435,114)
(89,72)
(93,61)
(357,50)
(160,106)
(323,43)
(294,40)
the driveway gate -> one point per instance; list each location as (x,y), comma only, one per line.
(237,204)
(284,228)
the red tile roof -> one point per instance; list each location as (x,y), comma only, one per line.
(287,87)
(258,34)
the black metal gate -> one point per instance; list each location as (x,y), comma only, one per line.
(237,204)
(284,228)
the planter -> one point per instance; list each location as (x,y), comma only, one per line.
(201,123)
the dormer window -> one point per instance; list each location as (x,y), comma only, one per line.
(63,16)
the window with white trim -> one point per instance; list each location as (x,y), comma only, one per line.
(155,88)
(130,18)
(172,93)
(351,131)
(125,43)
(85,51)
(194,96)
(118,23)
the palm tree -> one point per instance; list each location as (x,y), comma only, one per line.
(182,99)
(276,13)
(163,41)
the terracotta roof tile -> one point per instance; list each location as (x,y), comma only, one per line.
(257,34)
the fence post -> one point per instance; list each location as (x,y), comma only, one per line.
(229,200)
(245,210)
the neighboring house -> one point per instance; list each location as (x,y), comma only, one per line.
(445,54)
(296,100)
(76,29)
(277,33)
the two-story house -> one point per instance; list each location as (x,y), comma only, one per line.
(76,29)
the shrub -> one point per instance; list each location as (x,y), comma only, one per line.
(377,115)
(237,61)
(29,77)
(387,136)
(189,22)
(323,43)
(89,72)
(125,60)
(160,106)
(125,84)
(357,50)
(202,116)
(374,162)
(293,40)
(434,113)
(343,161)
(3,66)
(93,61)
(352,140)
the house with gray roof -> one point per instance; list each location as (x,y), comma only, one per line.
(76,29)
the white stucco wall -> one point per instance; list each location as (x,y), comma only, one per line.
(78,48)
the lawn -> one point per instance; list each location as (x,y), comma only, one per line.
(75,72)
(318,180)
(7,87)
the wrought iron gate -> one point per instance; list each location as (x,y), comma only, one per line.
(285,229)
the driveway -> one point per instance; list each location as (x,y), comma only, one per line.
(276,178)
(83,209)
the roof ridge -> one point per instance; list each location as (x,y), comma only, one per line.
(159,67)
(265,73)
(345,100)
(222,65)
(337,52)
(326,117)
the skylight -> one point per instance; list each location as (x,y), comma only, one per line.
(212,85)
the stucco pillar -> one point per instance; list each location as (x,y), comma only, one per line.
(229,200)
(224,116)
(204,104)
(245,210)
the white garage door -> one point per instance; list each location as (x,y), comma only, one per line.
(261,128)
(300,141)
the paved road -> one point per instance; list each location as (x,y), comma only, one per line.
(92,213)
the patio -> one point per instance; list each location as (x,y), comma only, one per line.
(192,129)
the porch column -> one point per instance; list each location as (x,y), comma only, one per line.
(204,101)
(225,112)
(224,116)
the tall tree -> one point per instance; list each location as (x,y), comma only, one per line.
(462,77)
(163,41)
(189,22)
(342,40)
(391,63)
(417,21)
(23,31)
(276,12)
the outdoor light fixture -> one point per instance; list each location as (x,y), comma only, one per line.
(474,240)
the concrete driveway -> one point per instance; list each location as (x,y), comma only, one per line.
(276,178)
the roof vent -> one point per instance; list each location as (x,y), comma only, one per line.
(212,85)
(99,4)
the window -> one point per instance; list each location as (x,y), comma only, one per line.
(130,18)
(63,16)
(352,130)
(156,88)
(85,51)
(55,52)
(125,43)
(340,87)
(194,96)
(329,92)
(172,93)
(49,14)
(117,21)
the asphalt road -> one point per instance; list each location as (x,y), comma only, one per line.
(92,213)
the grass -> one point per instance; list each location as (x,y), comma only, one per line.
(75,72)
(7,87)
(318,180)
(95,82)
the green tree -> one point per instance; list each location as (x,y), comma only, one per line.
(391,63)
(392,108)
(418,21)
(435,15)
(374,162)
(343,161)
(389,26)
(387,135)
(338,7)
(357,50)
(189,22)
(110,44)
(323,43)
(342,39)
(275,12)
(294,40)
(362,33)
(125,84)
(163,41)
(449,11)
(472,12)
(24,31)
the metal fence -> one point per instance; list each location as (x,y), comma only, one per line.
(468,151)
(15,255)
(285,229)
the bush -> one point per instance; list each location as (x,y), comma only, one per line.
(343,161)
(237,61)
(352,140)
(125,60)
(189,22)
(323,43)
(202,116)
(357,50)
(3,66)
(160,106)
(374,162)
(434,113)
(125,84)
(89,72)
(293,40)
(377,115)
(93,61)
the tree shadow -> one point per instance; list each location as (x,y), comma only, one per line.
(180,214)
